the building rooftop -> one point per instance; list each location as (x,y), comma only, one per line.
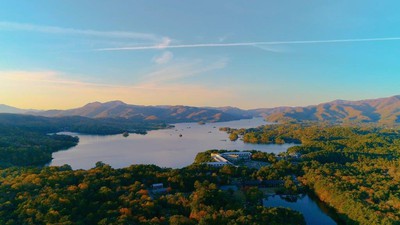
(236,153)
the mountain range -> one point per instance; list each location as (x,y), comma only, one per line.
(118,109)
(10,109)
(382,110)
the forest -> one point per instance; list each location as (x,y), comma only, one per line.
(79,124)
(355,170)
(103,195)
(21,147)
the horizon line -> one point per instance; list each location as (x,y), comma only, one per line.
(204,106)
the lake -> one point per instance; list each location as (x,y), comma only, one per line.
(164,148)
(314,211)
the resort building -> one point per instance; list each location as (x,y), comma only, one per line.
(217,164)
(227,158)
(235,156)
(218,158)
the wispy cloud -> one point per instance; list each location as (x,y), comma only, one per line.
(152,80)
(166,41)
(254,44)
(223,38)
(183,70)
(48,87)
(12,26)
(164,58)
(46,77)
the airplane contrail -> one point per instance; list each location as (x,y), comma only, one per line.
(205,45)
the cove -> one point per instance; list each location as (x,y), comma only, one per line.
(315,211)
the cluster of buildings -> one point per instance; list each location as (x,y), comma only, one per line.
(228,158)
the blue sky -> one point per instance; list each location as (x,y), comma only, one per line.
(250,54)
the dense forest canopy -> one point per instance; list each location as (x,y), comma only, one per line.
(21,147)
(78,124)
(354,169)
(103,195)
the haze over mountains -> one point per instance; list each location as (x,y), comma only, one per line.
(118,109)
(382,110)
(10,109)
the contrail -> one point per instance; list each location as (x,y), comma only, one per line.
(207,45)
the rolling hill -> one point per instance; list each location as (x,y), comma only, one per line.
(118,109)
(10,109)
(77,124)
(382,110)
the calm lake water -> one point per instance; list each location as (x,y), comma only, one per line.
(160,147)
(314,211)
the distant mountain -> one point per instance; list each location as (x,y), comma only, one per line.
(10,109)
(234,111)
(118,109)
(382,110)
(265,112)
(260,112)
(77,124)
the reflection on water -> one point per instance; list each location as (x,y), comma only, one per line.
(314,211)
(175,147)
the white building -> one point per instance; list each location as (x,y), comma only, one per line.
(217,164)
(218,158)
(234,156)
(227,158)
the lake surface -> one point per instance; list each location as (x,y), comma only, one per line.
(314,211)
(160,147)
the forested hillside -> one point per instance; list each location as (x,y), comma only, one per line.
(20,147)
(169,114)
(356,170)
(78,124)
(384,110)
(27,140)
(103,195)
(381,110)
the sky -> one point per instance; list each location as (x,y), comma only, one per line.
(249,54)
